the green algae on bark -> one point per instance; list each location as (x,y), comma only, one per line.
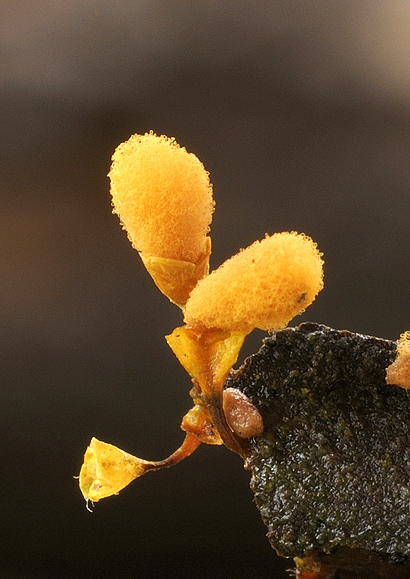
(332,468)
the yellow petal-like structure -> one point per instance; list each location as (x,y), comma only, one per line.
(107,470)
(175,278)
(206,356)
(264,286)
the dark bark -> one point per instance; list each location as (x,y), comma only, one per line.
(331,472)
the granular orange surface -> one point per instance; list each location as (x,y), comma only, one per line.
(263,286)
(163,197)
(399,371)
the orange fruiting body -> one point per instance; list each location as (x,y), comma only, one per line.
(399,371)
(163,197)
(263,286)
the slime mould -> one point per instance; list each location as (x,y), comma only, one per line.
(331,471)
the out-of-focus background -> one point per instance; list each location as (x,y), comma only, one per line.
(300,111)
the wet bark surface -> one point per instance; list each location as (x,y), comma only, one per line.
(331,472)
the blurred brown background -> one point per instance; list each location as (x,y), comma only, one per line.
(300,111)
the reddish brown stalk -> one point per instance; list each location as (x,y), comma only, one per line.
(214,404)
(190,444)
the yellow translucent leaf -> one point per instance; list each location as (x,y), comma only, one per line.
(175,278)
(199,422)
(225,354)
(107,470)
(207,356)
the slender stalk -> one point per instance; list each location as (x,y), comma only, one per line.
(214,403)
